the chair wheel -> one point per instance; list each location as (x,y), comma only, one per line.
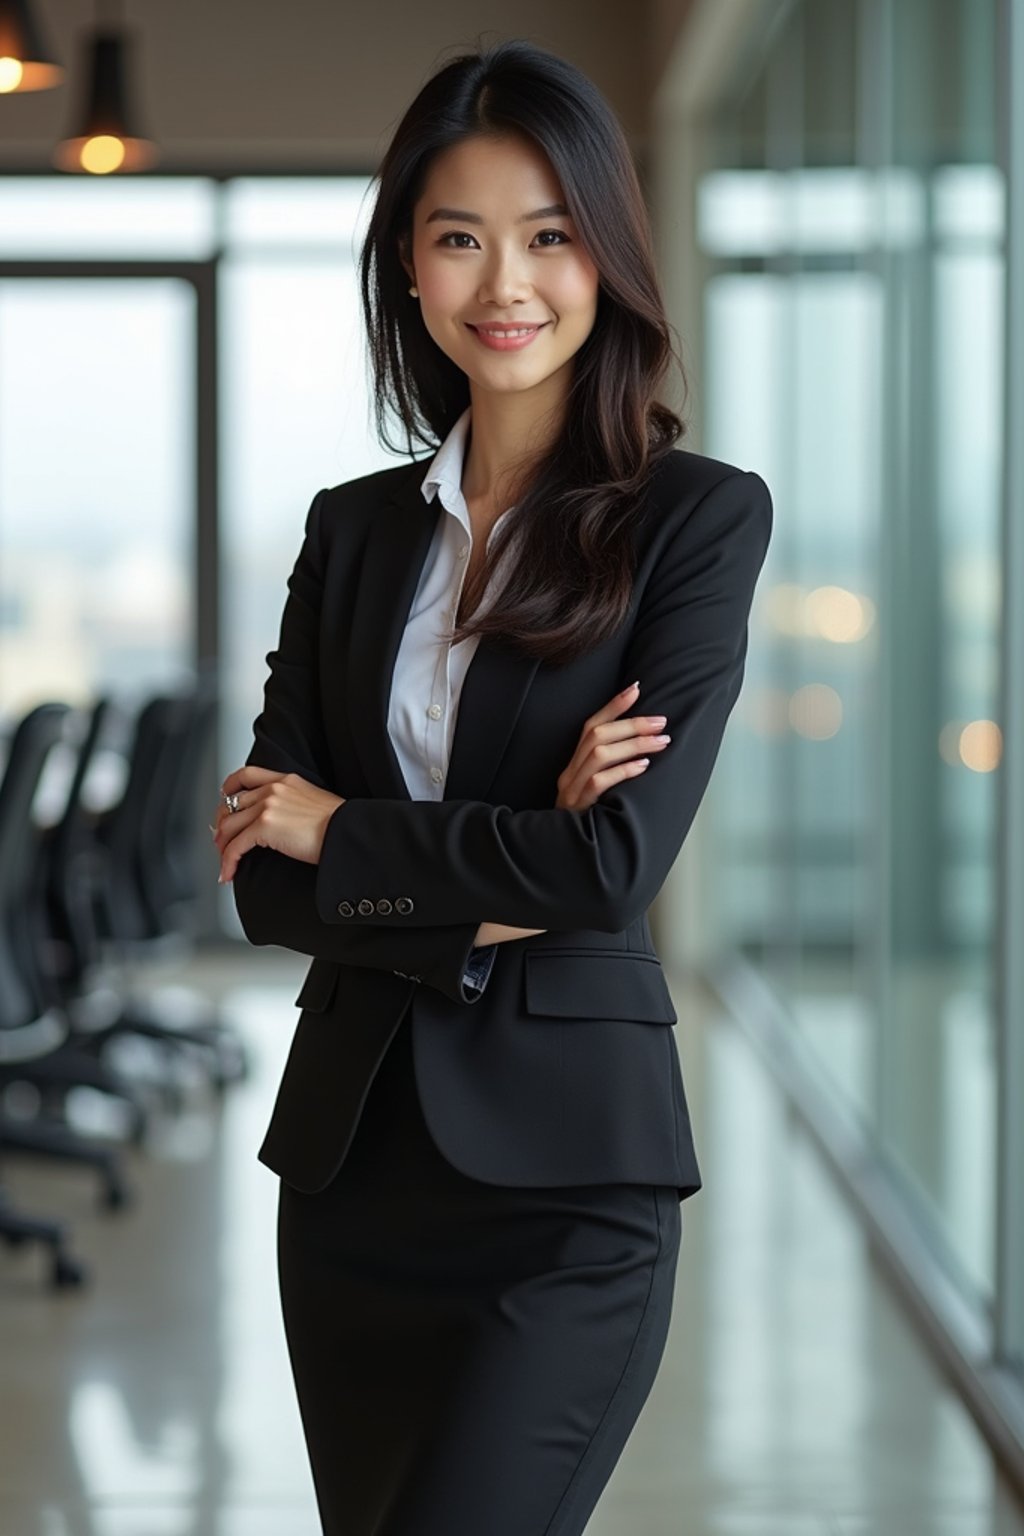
(67,1272)
(115,1197)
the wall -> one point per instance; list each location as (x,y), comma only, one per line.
(247,83)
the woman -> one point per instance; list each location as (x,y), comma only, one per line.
(481,1131)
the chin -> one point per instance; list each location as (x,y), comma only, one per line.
(509,385)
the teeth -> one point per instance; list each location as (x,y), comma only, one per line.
(526,331)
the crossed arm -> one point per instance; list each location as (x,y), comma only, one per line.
(595,868)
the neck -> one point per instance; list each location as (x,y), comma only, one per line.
(507,433)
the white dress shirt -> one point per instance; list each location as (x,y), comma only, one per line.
(429,671)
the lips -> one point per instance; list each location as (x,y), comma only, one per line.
(507,338)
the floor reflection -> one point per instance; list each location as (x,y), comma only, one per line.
(794,1396)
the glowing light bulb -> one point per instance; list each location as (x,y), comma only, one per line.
(11,74)
(102,154)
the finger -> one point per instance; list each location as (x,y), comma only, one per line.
(612,730)
(249,776)
(607,777)
(615,706)
(609,753)
(246,798)
(625,730)
(220,816)
(589,793)
(242,836)
(597,729)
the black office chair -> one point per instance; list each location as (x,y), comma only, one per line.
(30,1026)
(73,870)
(150,843)
(17,1228)
(33,1025)
(67,875)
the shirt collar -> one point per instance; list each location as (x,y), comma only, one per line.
(444,476)
(444,473)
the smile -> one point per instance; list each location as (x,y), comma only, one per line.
(506,338)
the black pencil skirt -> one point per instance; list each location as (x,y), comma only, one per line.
(470,1359)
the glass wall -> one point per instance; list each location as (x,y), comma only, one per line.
(97,506)
(853,221)
(99,429)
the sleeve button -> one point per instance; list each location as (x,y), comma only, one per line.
(384,906)
(365,907)
(346,908)
(403,904)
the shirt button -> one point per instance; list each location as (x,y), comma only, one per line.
(436,775)
(463,552)
(434,711)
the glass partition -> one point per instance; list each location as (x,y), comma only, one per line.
(97,487)
(853,222)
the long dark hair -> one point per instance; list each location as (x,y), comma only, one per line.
(569,587)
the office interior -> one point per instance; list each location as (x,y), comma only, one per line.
(837,194)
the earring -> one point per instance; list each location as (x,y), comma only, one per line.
(415,292)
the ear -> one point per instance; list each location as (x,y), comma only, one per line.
(404,255)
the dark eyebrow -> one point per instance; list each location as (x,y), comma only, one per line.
(463,217)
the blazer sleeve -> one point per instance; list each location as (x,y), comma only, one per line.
(600,868)
(275,896)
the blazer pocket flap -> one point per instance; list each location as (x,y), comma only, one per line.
(318,989)
(592,985)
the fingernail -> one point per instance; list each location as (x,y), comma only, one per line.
(663,738)
(631,687)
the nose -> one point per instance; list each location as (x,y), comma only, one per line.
(505,280)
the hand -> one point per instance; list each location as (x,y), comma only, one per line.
(605,756)
(607,752)
(275,810)
(502,933)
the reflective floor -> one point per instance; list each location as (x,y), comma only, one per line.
(794,1398)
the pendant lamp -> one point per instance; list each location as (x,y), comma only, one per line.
(26,62)
(107,139)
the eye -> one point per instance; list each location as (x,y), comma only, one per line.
(459,234)
(454,234)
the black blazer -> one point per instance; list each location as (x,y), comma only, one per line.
(564,1069)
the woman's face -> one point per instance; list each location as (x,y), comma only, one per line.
(490,254)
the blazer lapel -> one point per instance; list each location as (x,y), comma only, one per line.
(496,681)
(396,548)
(493,692)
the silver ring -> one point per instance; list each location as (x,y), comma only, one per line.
(231,801)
